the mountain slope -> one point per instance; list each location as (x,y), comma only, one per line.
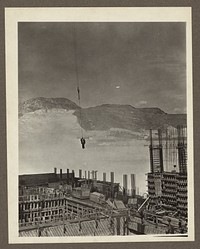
(42,103)
(107,116)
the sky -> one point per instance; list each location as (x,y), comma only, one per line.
(140,64)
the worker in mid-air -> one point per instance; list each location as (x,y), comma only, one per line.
(83,143)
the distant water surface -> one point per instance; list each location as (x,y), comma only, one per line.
(48,140)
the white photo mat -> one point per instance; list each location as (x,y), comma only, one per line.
(93,14)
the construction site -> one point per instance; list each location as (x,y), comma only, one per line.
(62,203)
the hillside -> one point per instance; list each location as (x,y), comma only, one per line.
(42,103)
(107,116)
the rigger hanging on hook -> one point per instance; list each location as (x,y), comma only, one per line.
(83,141)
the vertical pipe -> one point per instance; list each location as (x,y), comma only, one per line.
(85,174)
(92,173)
(73,174)
(112,177)
(67,176)
(179,150)
(55,171)
(88,174)
(160,150)
(60,173)
(112,183)
(133,188)
(125,185)
(95,175)
(104,177)
(151,152)
(73,181)
(166,150)
(80,173)
(151,138)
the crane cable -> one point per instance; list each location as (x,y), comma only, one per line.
(77,78)
(82,140)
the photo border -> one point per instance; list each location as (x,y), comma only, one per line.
(15,15)
(196,64)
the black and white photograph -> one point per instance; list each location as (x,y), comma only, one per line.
(103,134)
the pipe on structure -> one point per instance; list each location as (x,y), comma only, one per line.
(160,150)
(151,151)
(80,173)
(55,171)
(67,176)
(104,177)
(133,187)
(73,179)
(92,174)
(112,177)
(125,183)
(60,173)
(95,174)
(85,174)
(88,174)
